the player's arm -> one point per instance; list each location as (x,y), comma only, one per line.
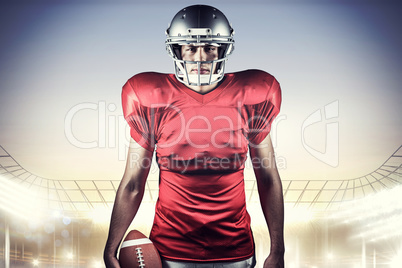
(128,199)
(271,198)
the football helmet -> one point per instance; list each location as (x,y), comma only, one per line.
(200,25)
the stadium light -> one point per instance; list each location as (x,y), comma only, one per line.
(56,214)
(375,217)
(100,215)
(375,205)
(66,220)
(298,215)
(35,262)
(20,201)
(97,264)
(396,261)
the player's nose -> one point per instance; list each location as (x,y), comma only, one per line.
(200,54)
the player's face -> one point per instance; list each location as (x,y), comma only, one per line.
(199,53)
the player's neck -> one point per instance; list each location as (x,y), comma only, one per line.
(203,89)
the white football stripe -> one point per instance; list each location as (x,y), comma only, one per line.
(136,242)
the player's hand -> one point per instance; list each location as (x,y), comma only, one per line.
(274,261)
(111,261)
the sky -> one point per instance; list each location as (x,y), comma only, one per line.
(62,66)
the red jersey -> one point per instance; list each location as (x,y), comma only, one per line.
(201,146)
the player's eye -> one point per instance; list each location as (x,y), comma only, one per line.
(211,50)
(191,49)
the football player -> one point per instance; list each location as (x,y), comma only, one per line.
(201,122)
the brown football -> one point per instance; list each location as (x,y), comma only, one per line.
(138,251)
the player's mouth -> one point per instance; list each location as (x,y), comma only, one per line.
(202,71)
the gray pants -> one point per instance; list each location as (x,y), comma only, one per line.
(249,263)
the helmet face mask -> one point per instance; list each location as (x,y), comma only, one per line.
(200,25)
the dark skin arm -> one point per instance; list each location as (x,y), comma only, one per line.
(128,199)
(271,198)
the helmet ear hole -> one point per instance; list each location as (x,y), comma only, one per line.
(222,51)
(176,49)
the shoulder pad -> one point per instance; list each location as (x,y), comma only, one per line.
(150,88)
(257,85)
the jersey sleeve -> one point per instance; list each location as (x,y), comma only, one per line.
(262,114)
(139,117)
